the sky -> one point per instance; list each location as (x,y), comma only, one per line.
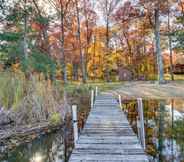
(101,20)
(95,4)
(49,9)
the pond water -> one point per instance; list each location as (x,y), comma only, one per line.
(164,127)
(54,147)
(47,148)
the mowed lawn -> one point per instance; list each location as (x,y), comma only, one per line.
(149,89)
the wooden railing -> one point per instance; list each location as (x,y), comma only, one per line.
(140,120)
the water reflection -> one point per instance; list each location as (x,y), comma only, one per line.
(164,126)
(55,147)
(48,148)
(38,157)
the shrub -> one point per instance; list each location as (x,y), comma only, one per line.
(55,119)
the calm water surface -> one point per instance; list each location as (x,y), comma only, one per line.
(164,127)
(54,147)
(48,148)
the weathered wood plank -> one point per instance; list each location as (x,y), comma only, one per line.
(107,136)
(128,151)
(108,146)
(109,157)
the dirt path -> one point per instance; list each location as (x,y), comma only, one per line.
(151,90)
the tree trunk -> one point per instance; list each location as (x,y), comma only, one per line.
(87,38)
(46,38)
(130,61)
(170,45)
(75,71)
(94,56)
(82,58)
(158,48)
(25,44)
(107,75)
(63,61)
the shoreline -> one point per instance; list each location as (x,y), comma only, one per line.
(13,137)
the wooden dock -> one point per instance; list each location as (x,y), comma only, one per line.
(107,136)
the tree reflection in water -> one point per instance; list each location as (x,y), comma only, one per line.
(52,147)
(164,127)
(48,148)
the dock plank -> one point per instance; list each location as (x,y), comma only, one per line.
(107,136)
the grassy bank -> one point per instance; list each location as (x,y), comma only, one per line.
(36,99)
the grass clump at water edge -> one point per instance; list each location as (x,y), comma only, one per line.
(31,101)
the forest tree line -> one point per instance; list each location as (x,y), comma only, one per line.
(91,40)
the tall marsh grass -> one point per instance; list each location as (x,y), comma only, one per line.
(11,89)
(32,100)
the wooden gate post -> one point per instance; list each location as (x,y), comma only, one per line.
(141,116)
(75,123)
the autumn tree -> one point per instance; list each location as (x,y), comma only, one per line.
(153,9)
(82,58)
(149,11)
(179,33)
(170,38)
(133,32)
(108,7)
(89,23)
(67,35)
(62,9)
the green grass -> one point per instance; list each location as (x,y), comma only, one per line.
(106,86)
(102,86)
(178,77)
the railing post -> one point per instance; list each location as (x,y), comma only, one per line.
(120,104)
(92,98)
(75,123)
(141,116)
(96,91)
(138,128)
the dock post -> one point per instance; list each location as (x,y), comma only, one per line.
(75,123)
(141,116)
(96,91)
(92,98)
(120,104)
(138,128)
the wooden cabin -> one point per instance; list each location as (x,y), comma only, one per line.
(179,65)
